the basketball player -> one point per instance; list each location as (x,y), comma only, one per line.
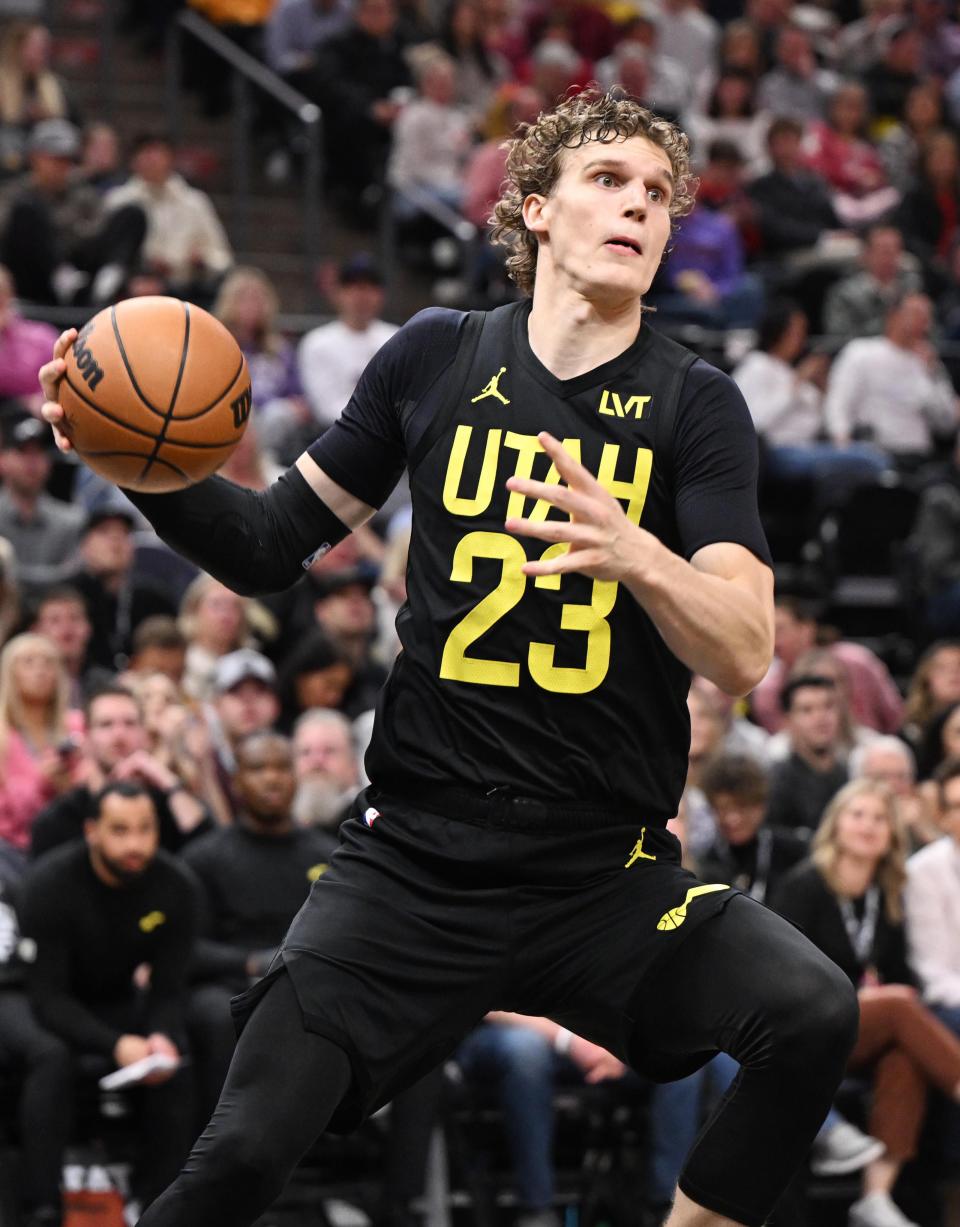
(530,744)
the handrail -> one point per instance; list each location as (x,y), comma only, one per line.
(461,230)
(248,71)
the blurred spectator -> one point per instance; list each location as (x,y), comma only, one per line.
(315,674)
(333,357)
(252,465)
(939,38)
(748,852)
(484,173)
(848,900)
(857,305)
(29,91)
(159,646)
(9,590)
(24,346)
(890,79)
(344,610)
(893,388)
(93,913)
(56,236)
(244,701)
(294,30)
(185,238)
(39,1061)
(706,740)
(116,600)
(823,662)
(902,145)
(39,735)
(60,613)
(253,877)
(803,784)
(890,761)
(796,85)
(930,211)
(838,149)
(214,621)
(43,531)
(932,905)
(873,695)
(723,186)
(480,69)
(326,767)
(706,282)
(935,548)
(115,748)
(688,35)
(100,162)
(940,741)
(668,88)
(795,212)
(431,139)
(555,67)
(860,43)
(738,735)
(731,114)
(591,30)
(784,393)
(935,684)
(248,305)
(164,716)
(357,74)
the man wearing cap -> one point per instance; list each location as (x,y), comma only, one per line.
(244,702)
(43,531)
(55,237)
(332,357)
(116,601)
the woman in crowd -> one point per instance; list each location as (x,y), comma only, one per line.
(314,675)
(847,898)
(940,742)
(39,737)
(934,686)
(929,215)
(29,91)
(731,114)
(480,70)
(216,621)
(902,147)
(840,152)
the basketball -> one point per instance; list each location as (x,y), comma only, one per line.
(156,394)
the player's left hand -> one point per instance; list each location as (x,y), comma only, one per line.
(602,541)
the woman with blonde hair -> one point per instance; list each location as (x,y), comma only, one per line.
(39,737)
(848,899)
(29,91)
(248,305)
(215,621)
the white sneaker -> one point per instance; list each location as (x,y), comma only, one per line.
(877,1210)
(843,1149)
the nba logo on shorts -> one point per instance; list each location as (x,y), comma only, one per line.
(370,816)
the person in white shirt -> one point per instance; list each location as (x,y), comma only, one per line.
(332,357)
(932,904)
(894,386)
(783,394)
(688,35)
(185,238)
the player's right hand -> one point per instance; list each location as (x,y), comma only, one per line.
(50,375)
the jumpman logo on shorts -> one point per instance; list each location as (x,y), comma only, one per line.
(492,389)
(637,853)
(677,915)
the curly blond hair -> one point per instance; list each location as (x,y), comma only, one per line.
(535,160)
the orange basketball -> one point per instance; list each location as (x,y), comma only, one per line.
(156,394)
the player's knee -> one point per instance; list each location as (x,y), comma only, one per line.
(248,1166)
(818,1018)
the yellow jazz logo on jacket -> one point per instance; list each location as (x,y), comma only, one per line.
(152,921)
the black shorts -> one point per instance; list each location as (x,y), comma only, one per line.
(423,923)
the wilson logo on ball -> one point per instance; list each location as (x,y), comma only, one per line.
(87,365)
(241,407)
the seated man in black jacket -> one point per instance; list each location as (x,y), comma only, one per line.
(108,927)
(116,749)
(254,876)
(804,783)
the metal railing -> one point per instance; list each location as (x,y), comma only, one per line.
(248,73)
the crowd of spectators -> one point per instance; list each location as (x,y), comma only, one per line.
(175,760)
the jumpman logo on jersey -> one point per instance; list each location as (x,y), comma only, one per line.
(677,915)
(492,389)
(637,853)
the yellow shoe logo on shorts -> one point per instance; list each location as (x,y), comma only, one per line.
(637,853)
(677,915)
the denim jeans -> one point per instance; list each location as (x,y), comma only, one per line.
(949,1015)
(522,1064)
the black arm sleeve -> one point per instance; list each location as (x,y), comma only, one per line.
(251,540)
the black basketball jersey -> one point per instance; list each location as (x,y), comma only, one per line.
(556,687)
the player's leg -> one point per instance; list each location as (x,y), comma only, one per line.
(750,984)
(283,1086)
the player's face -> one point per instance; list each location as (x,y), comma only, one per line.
(605,224)
(950,810)
(114,731)
(264,781)
(737,820)
(125,837)
(863,829)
